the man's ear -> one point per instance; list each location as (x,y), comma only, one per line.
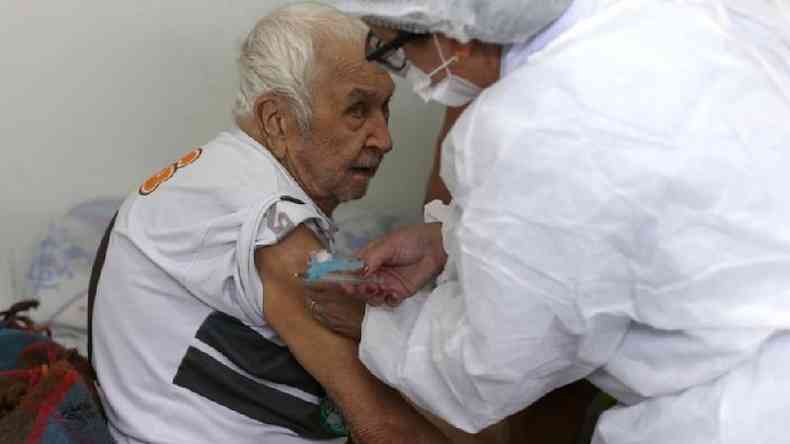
(464,50)
(271,114)
(461,50)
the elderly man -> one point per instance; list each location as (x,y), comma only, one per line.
(199,332)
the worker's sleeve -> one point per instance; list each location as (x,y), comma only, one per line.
(535,265)
(508,331)
(747,404)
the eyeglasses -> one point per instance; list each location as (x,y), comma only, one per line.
(390,55)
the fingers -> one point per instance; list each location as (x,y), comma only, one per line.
(342,318)
(312,308)
(375,255)
(390,290)
(384,250)
(316,310)
(325,293)
(371,293)
(404,246)
(332,290)
(391,300)
(322,287)
(348,288)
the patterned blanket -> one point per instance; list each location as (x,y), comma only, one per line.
(47,392)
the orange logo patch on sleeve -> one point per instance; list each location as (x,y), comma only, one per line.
(189,158)
(153,182)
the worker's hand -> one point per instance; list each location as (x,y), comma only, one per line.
(331,306)
(403,262)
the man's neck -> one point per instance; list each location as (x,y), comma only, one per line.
(248,126)
(327,205)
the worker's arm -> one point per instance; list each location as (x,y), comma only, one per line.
(436,188)
(374,412)
(498,433)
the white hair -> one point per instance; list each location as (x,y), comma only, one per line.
(278,55)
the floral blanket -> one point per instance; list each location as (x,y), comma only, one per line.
(46,391)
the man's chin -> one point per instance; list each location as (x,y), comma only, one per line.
(358,192)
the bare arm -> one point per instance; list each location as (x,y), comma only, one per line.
(558,417)
(498,433)
(374,412)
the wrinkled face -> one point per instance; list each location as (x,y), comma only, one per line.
(349,132)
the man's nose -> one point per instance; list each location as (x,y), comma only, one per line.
(379,136)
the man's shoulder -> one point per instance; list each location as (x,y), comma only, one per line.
(225,176)
(230,164)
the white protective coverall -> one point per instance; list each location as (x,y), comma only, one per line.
(621,212)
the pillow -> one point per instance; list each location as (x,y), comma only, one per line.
(60,268)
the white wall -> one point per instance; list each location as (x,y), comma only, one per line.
(96,95)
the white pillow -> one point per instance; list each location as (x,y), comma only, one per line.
(59,272)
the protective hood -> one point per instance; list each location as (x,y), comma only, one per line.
(500,21)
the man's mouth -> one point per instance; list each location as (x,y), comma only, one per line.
(365,170)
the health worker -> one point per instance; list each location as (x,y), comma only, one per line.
(620,185)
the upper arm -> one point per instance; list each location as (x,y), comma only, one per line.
(368,405)
(284,309)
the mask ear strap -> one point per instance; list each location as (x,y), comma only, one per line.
(445,63)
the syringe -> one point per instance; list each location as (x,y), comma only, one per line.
(323,266)
(335,277)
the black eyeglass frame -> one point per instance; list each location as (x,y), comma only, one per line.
(379,54)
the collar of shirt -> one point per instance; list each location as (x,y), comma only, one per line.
(325,222)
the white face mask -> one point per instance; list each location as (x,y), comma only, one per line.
(451,90)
